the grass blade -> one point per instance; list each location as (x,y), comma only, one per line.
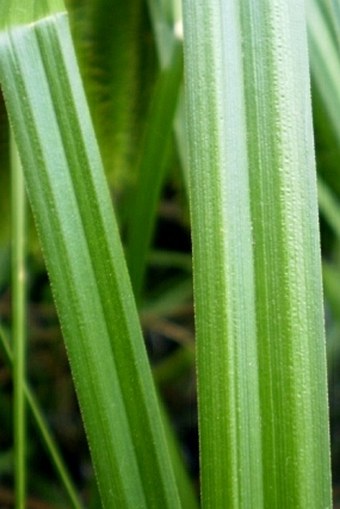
(18,201)
(74,216)
(46,435)
(4,178)
(256,256)
(108,41)
(324,55)
(287,256)
(151,169)
(162,18)
(167,27)
(324,59)
(228,388)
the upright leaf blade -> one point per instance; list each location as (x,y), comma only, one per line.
(73,212)
(229,418)
(18,201)
(324,55)
(256,256)
(45,432)
(287,256)
(108,41)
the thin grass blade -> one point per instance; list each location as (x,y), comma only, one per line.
(151,168)
(329,207)
(324,55)
(18,215)
(4,178)
(168,29)
(324,58)
(50,443)
(230,439)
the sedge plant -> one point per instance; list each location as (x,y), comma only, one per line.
(248,169)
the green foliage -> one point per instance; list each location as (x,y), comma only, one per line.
(110,43)
(242,155)
(252,159)
(86,265)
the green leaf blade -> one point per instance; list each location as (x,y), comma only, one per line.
(226,342)
(261,351)
(287,257)
(72,208)
(151,168)
(19,312)
(45,432)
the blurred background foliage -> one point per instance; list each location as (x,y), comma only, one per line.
(121,63)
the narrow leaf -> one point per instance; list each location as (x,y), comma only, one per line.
(229,418)
(108,42)
(151,168)
(74,216)
(18,213)
(324,55)
(324,59)
(261,351)
(329,207)
(46,435)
